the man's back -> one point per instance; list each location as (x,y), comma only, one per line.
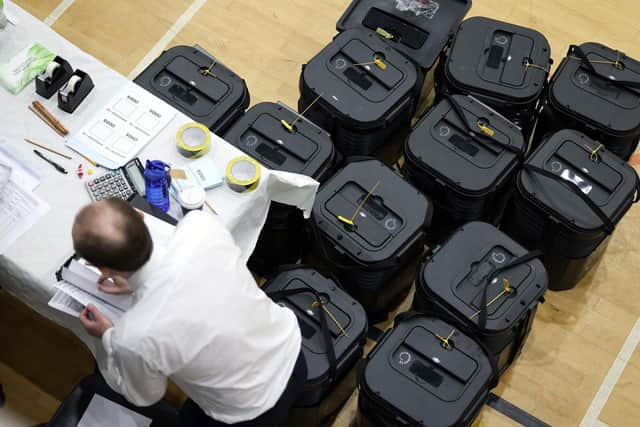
(200,318)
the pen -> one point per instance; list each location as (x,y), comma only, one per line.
(51,162)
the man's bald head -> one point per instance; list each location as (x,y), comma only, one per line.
(111,234)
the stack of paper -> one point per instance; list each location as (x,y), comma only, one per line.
(20,208)
(79,287)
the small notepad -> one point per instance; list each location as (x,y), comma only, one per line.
(202,172)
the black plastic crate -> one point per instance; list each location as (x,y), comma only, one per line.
(330,358)
(412,378)
(595,90)
(569,197)
(306,150)
(503,65)
(361,106)
(466,172)
(194,82)
(420,34)
(374,259)
(464,283)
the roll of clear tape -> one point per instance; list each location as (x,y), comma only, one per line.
(48,73)
(71,86)
(243,174)
(193,140)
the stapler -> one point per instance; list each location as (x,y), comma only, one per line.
(75,91)
(57,73)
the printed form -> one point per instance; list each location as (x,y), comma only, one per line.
(117,132)
(20,208)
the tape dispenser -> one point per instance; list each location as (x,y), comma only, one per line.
(74,91)
(57,73)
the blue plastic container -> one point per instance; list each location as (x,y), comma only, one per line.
(157,180)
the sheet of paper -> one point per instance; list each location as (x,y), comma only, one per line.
(85,298)
(85,279)
(66,304)
(20,173)
(102,412)
(20,209)
(117,132)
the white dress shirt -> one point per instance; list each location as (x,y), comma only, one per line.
(200,319)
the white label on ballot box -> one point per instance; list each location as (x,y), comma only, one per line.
(116,133)
(102,412)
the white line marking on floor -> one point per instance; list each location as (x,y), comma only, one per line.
(177,26)
(613,376)
(58,11)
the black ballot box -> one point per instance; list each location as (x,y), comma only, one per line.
(569,197)
(331,354)
(595,90)
(361,91)
(464,156)
(504,65)
(419,30)
(424,372)
(368,228)
(306,149)
(196,83)
(463,282)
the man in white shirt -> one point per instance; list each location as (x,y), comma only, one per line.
(198,318)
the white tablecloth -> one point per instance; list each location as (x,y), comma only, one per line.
(26,269)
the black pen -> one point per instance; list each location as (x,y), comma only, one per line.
(51,162)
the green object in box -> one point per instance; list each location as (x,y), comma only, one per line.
(24,67)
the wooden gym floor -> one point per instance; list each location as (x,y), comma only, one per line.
(580,365)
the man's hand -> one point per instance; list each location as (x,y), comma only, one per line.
(120,285)
(94,322)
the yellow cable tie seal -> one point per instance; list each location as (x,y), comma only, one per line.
(486,130)
(379,63)
(345,220)
(286,125)
(193,131)
(384,33)
(593,155)
(243,174)
(506,286)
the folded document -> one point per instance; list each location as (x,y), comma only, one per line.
(79,287)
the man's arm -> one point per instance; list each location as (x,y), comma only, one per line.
(127,373)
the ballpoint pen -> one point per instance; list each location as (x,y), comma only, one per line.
(51,162)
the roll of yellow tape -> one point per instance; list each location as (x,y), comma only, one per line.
(193,140)
(243,174)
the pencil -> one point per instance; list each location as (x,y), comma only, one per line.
(41,117)
(48,149)
(94,163)
(210,207)
(50,118)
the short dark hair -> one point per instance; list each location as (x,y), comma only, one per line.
(126,252)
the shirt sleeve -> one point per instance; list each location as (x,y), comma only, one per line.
(129,374)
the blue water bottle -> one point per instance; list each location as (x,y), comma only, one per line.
(156,181)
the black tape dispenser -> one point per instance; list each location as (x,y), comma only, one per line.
(57,73)
(75,91)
